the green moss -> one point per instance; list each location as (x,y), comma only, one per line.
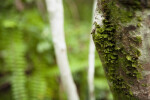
(129,57)
(120,59)
(139,18)
(139,25)
(144,85)
(134,4)
(138,41)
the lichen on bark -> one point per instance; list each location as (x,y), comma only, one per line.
(118,48)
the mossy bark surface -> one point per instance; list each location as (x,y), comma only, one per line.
(123,44)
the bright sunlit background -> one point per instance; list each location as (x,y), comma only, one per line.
(26,46)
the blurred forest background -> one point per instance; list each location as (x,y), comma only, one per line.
(27,54)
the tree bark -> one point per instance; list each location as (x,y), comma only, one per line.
(123,45)
(56,18)
(19,5)
(91,69)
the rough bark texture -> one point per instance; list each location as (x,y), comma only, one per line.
(123,44)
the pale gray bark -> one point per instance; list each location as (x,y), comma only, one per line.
(56,18)
(91,69)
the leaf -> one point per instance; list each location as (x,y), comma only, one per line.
(9,24)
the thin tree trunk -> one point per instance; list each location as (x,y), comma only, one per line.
(123,44)
(41,8)
(55,10)
(91,69)
(74,9)
(19,5)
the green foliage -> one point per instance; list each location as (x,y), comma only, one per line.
(19,40)
(14,58)
(27,60)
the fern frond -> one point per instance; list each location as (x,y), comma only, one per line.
(15,60)
(37,82)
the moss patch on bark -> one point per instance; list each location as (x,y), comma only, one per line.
(118,48)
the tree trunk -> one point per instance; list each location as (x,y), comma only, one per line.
(19,5)
(91,69)
(123,45)
(56,18)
